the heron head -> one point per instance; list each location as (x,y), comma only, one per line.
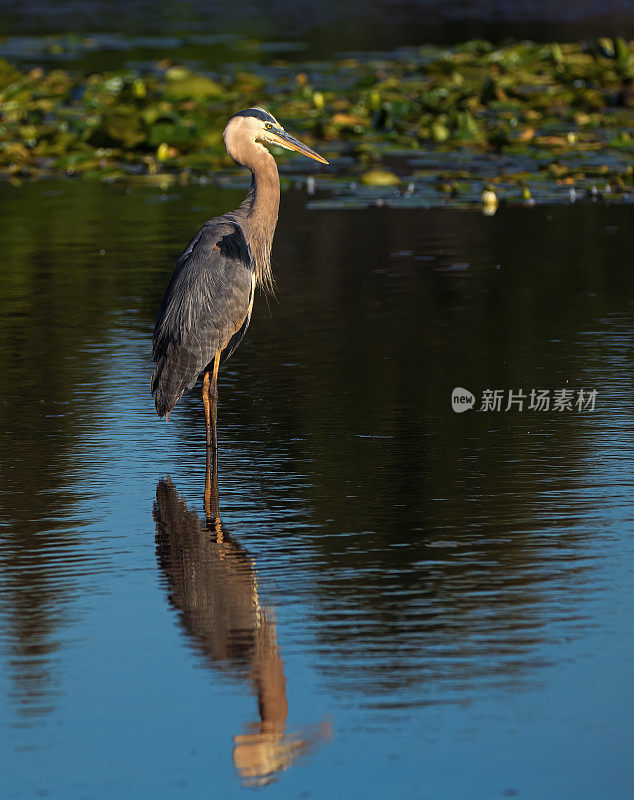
(258,126)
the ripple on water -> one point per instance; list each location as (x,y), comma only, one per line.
(391,559)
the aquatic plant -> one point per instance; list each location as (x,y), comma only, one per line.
(555,114)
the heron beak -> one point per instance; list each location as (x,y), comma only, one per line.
(291,143)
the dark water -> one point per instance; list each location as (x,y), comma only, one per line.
(328,25)
(398,595)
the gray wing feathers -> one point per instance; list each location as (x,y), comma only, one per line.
(206,302)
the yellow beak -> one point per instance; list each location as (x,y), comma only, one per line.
(291,143)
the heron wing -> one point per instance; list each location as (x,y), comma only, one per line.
(206,303)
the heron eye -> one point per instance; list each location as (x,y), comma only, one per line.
(269,127)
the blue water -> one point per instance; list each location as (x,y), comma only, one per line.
(449,595)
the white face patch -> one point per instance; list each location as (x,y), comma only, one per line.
(253,124)
(252,128)
(267,133)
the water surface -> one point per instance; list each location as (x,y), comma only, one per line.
(326,26)
(396,595)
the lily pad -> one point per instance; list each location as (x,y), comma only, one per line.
(119,125)
(380,177)
(192,86)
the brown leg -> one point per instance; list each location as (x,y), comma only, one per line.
(213,393)
(210,392)
(206,404)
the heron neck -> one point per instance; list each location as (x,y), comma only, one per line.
(260,209)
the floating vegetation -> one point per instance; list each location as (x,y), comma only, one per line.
(380,177)
(524,121)
(489,201)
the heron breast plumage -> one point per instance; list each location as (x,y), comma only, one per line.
(207,304)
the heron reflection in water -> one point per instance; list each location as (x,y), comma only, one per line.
(212,583)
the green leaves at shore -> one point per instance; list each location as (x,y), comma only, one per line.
(540,100)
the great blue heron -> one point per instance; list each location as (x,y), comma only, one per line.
(207,306)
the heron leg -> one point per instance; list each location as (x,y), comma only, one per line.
(210,400)
(207,405)
(213,394)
